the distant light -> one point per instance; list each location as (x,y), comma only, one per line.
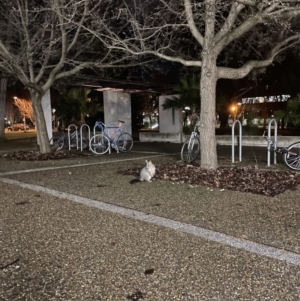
(187,108)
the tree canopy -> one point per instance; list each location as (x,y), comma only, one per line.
(205,35)
(43,42)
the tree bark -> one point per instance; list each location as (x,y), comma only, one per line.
(208,83)
(40,123)
(3,87)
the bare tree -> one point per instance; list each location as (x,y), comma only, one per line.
(205,35)
(46,41)
(25,108)
(3,87)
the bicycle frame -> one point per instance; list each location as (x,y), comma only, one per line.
(195,131)
(104,129)
(191,147)
(291,153)
(192,138)
(273,147)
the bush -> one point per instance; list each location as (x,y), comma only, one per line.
(187,130)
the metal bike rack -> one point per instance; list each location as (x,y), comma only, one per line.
(240,140)
(94,130)
(69,138)
(89,134)
(275,140)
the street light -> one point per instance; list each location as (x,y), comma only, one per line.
(234,112)
(13,123)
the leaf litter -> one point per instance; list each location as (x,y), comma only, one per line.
(245,179)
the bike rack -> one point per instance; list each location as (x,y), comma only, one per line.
(94,130)
(94,133)
(109,129)
(240,140)
(275,140)
(69,138)
(89,134)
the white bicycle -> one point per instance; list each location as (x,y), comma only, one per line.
(191,147)
(291,153)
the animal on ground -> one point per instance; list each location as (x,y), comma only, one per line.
(146,173)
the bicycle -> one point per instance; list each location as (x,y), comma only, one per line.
(58,142)
(291,154)
(191,147)
(100,143)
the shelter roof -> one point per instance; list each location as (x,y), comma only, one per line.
(140,87)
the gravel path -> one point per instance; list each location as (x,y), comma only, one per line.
(55,249)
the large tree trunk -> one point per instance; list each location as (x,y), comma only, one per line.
(3,87)
(40,123)
(208,83)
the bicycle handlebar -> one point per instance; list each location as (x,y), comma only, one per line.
(101,124)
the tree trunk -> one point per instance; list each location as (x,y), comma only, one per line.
(40,123)
(208,83)
(3,87)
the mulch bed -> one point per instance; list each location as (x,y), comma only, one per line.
(37,156)
(245,179)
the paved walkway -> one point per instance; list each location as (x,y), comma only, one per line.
(77,230)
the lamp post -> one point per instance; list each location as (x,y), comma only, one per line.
(24,124)
(13,123)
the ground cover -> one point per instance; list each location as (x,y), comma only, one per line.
(245,179)
(249,178)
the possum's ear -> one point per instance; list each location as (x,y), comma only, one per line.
(150,162)
(146,161)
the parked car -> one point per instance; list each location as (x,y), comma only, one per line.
(17,127)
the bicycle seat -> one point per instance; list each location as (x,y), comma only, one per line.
(121,121)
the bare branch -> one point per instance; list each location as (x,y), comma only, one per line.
(230,73)
(190,19)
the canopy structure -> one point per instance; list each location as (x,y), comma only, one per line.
(101,84)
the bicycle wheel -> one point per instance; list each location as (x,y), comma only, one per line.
(99,144)
(56,143)
(292,157)
(190,149)
(125,142)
